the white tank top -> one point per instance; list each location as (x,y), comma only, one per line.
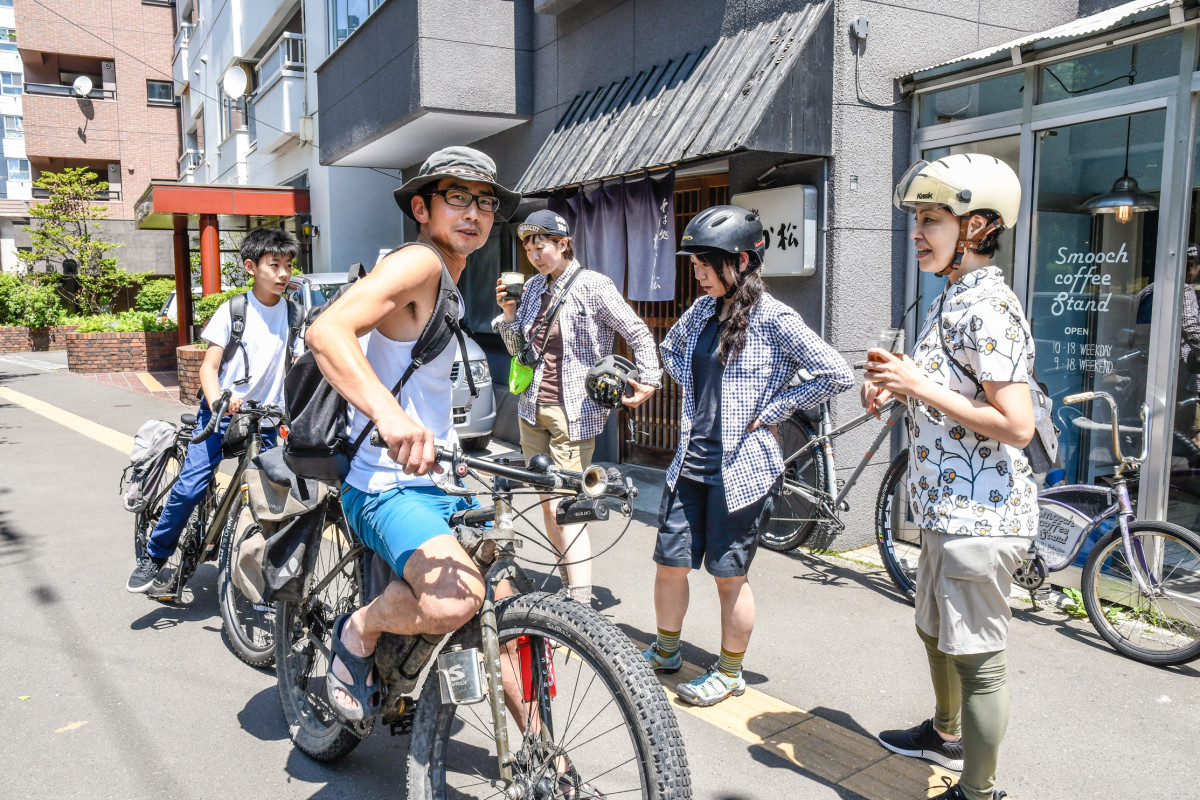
(426,399)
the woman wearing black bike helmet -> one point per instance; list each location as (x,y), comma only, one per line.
(970,487)
(734,353)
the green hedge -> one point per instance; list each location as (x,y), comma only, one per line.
(23,302)
(153,294)
(127,322)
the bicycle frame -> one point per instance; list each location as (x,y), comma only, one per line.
(828,497)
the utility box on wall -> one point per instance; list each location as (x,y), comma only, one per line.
(789,218)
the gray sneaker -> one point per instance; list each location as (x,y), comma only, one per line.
(144,574)
(711,688)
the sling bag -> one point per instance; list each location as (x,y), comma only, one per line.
(317,445)
(525,362)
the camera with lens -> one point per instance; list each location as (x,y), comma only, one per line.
(525,356)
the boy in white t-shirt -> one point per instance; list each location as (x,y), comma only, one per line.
(254,372)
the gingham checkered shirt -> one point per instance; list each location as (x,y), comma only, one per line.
(592,313)
(754,386)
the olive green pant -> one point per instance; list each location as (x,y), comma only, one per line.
(971,692)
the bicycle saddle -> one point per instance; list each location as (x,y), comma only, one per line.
(188,419)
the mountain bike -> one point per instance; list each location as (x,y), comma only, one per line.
(583,717)
(247,627)
(812,497)
(1141,579)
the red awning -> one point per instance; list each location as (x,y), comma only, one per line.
(164,200)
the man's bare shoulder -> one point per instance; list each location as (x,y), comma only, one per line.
(408,265)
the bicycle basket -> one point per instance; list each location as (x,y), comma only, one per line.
(233,443)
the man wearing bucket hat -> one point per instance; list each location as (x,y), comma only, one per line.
(363,343)
(564,326)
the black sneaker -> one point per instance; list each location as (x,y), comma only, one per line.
(954,793)
(925,742)
(144,574)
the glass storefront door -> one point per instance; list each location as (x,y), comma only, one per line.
(1092,278)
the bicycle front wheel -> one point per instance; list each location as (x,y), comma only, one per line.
(896,531)
(608,730)
(1162,627)
(248,627)
(303,632)
(794,521)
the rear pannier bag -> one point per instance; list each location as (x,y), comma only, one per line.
(151,448)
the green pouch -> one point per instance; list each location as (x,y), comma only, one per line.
(519,376)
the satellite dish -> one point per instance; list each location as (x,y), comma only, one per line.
(82,86)
(235,81)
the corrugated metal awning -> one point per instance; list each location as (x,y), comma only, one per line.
(1136,11)
(716,100)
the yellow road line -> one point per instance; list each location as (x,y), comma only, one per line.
(92,430)
(816,746)
(151,382)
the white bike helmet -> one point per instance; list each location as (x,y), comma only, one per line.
(965,183)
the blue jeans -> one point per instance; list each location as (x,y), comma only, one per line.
(199,467)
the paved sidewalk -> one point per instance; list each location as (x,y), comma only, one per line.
(123,692)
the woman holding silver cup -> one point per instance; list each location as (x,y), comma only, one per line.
(561,323)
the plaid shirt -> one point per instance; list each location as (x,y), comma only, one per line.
(593,311)
(756,386)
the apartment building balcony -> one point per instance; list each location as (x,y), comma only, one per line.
(60,90)
(278,102)
(57,126)
(103,196)
(179,64)
(189,163)
(259,19)
(392,92)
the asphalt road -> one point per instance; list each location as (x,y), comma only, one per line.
(104,694)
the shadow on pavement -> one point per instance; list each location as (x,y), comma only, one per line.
(691,653)
(199,602)
(262,717)
(372,771)
(827,574)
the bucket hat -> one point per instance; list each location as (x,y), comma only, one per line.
(466,163)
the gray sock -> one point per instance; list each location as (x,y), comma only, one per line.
(581,594)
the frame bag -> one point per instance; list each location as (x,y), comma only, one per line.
(318,444)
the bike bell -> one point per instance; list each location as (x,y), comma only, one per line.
(609,380)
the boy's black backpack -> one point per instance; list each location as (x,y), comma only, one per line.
(237,327)
(317,445)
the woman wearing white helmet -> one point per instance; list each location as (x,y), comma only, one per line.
(734,353)
(971,488)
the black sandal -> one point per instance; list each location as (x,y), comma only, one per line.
(368,698)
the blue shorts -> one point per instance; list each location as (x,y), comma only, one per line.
(397,522)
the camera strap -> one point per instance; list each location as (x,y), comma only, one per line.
(547,322)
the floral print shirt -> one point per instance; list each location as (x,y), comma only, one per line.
(961,482)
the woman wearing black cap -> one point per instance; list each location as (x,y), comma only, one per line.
(569,316)
(734,353)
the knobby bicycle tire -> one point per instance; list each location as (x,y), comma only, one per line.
(1162,630)
(610,719)
(248,627)
(793,521)
(300,667)
(899,540)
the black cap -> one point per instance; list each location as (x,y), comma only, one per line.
(544,222)
(727,228)
(466,163)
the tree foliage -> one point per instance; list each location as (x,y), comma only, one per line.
(64,228)
(153,294)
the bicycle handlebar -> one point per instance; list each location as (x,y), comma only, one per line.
(1083,397)
(217,412)
(593,482)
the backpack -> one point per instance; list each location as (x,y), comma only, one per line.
(317,445)
(237,326)
(147,460)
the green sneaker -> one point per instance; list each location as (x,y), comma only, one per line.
(711,688)
(657,663)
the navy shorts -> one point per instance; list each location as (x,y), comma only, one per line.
(696,527)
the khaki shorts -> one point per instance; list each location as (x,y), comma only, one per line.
(963,584)
(550,436)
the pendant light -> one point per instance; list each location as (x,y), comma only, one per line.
(1125,198)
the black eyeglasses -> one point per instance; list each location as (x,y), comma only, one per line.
(460,198)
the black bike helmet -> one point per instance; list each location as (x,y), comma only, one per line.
(609,380)
(728,228)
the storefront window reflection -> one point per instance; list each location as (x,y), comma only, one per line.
(1093,276)
(1112,69)
(972,100)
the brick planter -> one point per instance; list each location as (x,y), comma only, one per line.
(188,361)
(19,339)
(150,351)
